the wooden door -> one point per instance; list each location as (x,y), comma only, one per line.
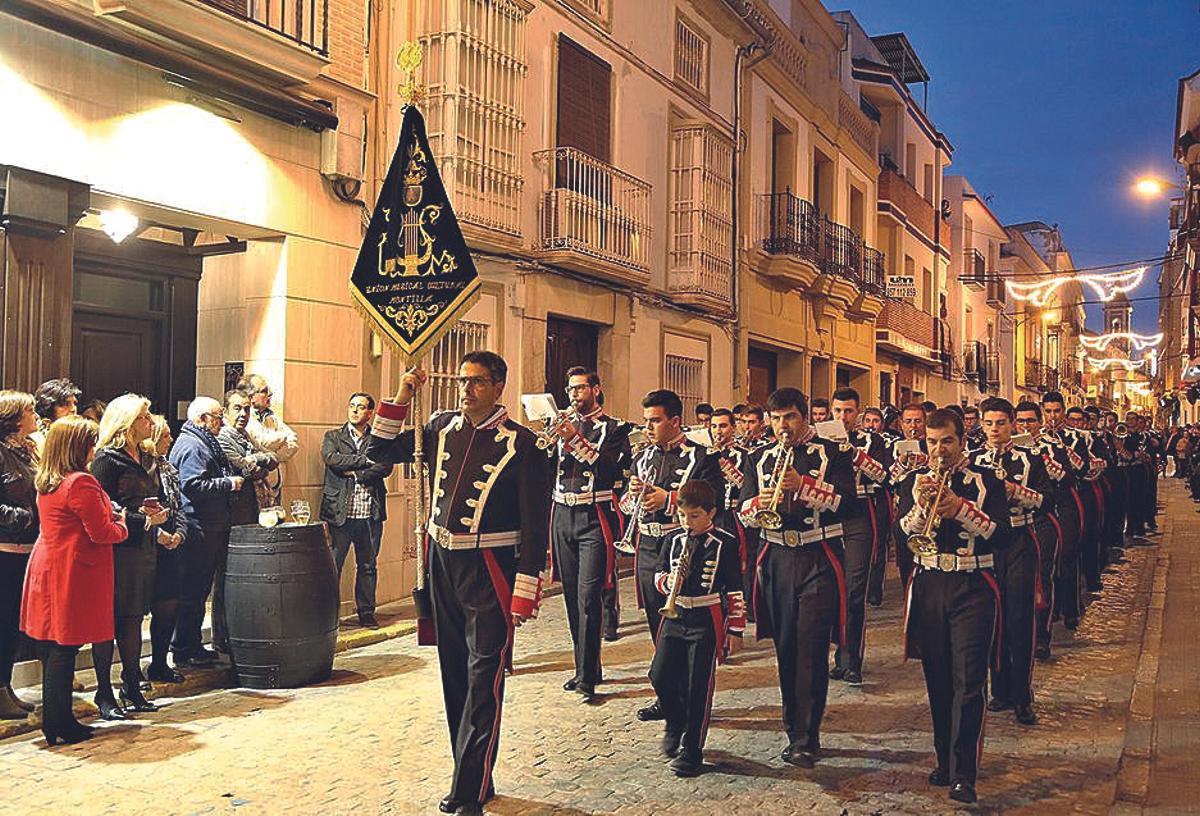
(113,355)
(568,343)
(763,374)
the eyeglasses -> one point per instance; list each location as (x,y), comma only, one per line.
(571,389)
(474,382)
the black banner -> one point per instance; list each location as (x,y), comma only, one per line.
(414,276)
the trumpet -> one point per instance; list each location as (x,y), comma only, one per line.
(647,478)
(769,517)
(730,471)
(924,543)
(547,437)
(682,567)
(1121,430)
(639,440)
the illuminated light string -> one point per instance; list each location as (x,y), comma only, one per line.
(1139,388)
(1106,286)
(1100,342)
(1110,362)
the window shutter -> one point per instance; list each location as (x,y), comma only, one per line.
(584,116)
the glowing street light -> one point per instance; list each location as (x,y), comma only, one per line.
(1153,187)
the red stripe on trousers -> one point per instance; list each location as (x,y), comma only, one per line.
(504,595)
(840,574)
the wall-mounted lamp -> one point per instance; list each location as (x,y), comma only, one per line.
(118,224)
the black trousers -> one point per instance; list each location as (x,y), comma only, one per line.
(1135,506)
(365,535)
(648,549)
(470,593)
(58,670)
(1113,515)
(12,584)
(880,507)
(1049,543)
(904,556)
(748,538)
(683,673)
(859,544)
(581,560)
(1066,584)
(1093,531)
(1016,570)
(800,592)
(955,613)
(202,561)
(1152,487)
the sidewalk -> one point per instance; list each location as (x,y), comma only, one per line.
(1160,765)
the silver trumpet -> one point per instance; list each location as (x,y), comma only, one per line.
(548,437)
(647,477)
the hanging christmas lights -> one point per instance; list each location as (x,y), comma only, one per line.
(1106,286)
(1100,342)
(1109,362)
(1140,388)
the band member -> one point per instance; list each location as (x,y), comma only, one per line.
(1082,522)
(583,524)
(1017,563)
(699,572)
(1063,522)
(873,421)
(650,501)
(732,460)
(752,427)
(794,491)
(820,411)
(961,512)
(865,521)
(486,537)
(1103,445)
(908,453)
(975,437)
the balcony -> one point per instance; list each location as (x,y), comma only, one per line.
(975,363)
(1040,376)
(903,328)
(997,293)
(858,123)
(594,219)
(790,227)
(285,42)
(700,267)
(993,369)
(899,197)
(1069,376)
(973,269)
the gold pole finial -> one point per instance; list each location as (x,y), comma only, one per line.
(408,60)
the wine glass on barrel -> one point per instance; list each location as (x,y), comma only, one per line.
(301,512)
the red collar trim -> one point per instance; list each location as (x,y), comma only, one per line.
(672,444)
(596,413)
(498,418)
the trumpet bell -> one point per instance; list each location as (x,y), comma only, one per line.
(669,611)
(769,520)
(625,545)
(923,545)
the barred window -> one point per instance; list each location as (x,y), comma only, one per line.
(685,376)
(701,182)
(596,9)
(481,45)
(691,56)
(466,336)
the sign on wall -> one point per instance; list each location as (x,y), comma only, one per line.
(901,287)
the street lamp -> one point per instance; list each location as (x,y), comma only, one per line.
(1153,187)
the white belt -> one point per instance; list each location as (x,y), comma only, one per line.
(868,489)
(1021,520)
(796,538)
(17,549)
(654,528)
(472,541)
(572,499)
(698,601)
(952,562)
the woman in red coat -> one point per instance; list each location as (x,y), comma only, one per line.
(68,598)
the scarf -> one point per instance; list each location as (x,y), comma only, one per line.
(209,441)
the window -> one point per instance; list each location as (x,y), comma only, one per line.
(685,376)
(480,44)
(701,230)
(584,116)
(929,183)
(910,163)
(691,56)
(598,10)
(783,156)
(467,335)
(927,291)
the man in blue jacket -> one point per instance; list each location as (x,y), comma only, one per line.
(208,483)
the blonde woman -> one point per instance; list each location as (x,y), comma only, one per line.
(165,608)
(126,472)
(18,531)
(67,600)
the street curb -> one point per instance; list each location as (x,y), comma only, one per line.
(198,681)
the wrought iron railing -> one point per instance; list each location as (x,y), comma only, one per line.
(792,226)
(974,267)
(304,22)
(874,271)
(789,225)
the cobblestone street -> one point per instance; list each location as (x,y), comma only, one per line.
(372,739)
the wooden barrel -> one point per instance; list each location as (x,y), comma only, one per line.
(281,605)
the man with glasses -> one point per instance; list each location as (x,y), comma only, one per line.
(354,501)
(487,533)
(268,430)
(583,523)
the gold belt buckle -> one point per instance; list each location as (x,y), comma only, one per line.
(571,499)
(791,538)
(947,562)
(442,536)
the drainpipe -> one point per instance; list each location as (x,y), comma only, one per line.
(759,52)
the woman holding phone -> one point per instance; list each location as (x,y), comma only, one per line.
(165,608)
(126,472)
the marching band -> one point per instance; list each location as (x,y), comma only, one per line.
(998,525)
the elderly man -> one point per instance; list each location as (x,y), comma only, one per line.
(267,428)
(208,482)
(248,460)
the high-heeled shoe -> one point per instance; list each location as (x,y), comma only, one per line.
(67,736)
(109,710)
(133,700)
(164,674)
(20,703)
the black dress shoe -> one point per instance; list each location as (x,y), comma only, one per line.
(875,600)
(586,690)
(996,704)
(109,710)
(670,742)
(164,674)
(448,805)
(67,736)
(939,778)
(1071,623)
(837,673)
(1025,715)
(611,634)
(651,712)
(367,620)
(133,700)
(1042,652)
(963,792)
(799,755)
(470,809)
(571,684)
(853,677)
(688,764)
